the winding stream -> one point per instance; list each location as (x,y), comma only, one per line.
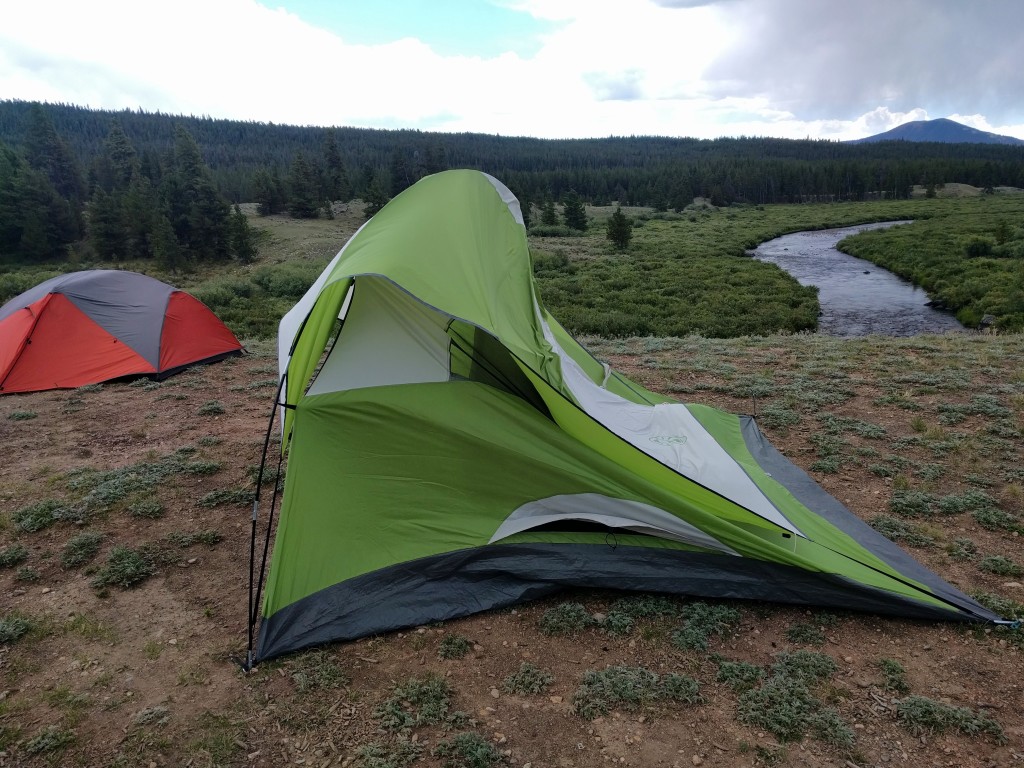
(857,297)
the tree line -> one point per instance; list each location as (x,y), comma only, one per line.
(132,184)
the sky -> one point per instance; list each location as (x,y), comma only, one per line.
(821,69)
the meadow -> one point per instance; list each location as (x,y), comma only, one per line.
(124,519)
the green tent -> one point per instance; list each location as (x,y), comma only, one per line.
(451,448)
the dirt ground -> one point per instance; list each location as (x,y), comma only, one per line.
(149,675)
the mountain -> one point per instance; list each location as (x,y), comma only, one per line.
(941,130)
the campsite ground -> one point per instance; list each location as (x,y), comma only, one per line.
(145,675)
(921,437)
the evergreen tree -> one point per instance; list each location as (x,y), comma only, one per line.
(525,207)
(303,197)
(243,239)
(196,211)
(268,195)
(620,229)
(548,215)
(376,198)
(166,248)
(401,173)
(573,212)
(106,226)
(336,185)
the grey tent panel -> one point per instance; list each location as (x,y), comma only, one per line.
(128,306)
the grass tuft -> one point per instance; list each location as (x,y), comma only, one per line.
(81,549)
(922,715)
(468,750)
(528,679)
(316,670)
(566,619)
(126,567)
(702,621)
(629,688)
(13,555)
(454,647)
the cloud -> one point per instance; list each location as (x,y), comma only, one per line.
(817,59)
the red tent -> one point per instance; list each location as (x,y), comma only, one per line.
(86,327)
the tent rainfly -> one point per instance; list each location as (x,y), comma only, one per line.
(451,449)
(101,324)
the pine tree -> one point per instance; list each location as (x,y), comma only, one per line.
(243,239)
(548,215)
(376,198)
(335,183)
(620,229)
(196,211)
(268,195)
(573,212)
(303,195)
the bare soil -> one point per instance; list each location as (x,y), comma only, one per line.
(149,675)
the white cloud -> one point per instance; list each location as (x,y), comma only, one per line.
(790,68)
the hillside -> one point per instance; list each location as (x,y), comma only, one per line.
(941,130)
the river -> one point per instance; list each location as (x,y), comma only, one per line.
(857,297)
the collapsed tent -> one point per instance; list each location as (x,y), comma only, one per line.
(451,448)
(92,326)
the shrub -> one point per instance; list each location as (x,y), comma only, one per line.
(38,516)
(1001,566)
(900,530)
(419,701)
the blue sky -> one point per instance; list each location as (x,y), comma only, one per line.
(826,69)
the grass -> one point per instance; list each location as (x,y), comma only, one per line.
(399,754)
(895,676)
(922,715)
(528,679)
(566,619)
(739,675)
(81,549)
(1001,566)
(702,620)
(125,567)
(900,530)
(317,670)
(454,647)
(630,688)
(39,516)
(13,555)
(211,408)
(22,415)
(50,739)
(419,701)
(13,627)
(786,706)
(468,750)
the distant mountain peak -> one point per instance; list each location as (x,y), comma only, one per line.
(941,130)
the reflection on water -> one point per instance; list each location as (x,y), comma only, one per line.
(857,298)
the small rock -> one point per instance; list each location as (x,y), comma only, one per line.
(1012,584)
(696,759)
(848,659)
(495,693)
(46,590)
(172,641)
(556,699)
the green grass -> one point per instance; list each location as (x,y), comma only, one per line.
(922,715)
(13,555)
(895,676)
(454,647)
(418,701)
(125,567)
(702,620)
(401,753)
(566,619)
(22,415)
(785,704)
(630,689)
(81,549)
(1001,566)
(528,679)
(211,408)
(13,627)
(902,531)
(50,739)
(468,750)
(40,516)
(317,670)
(739,675)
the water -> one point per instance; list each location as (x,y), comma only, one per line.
(857,297)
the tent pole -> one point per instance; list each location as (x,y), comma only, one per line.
(254,589)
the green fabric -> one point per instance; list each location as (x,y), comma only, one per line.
(428,241)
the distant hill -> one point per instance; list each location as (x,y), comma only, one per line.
(941,130)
